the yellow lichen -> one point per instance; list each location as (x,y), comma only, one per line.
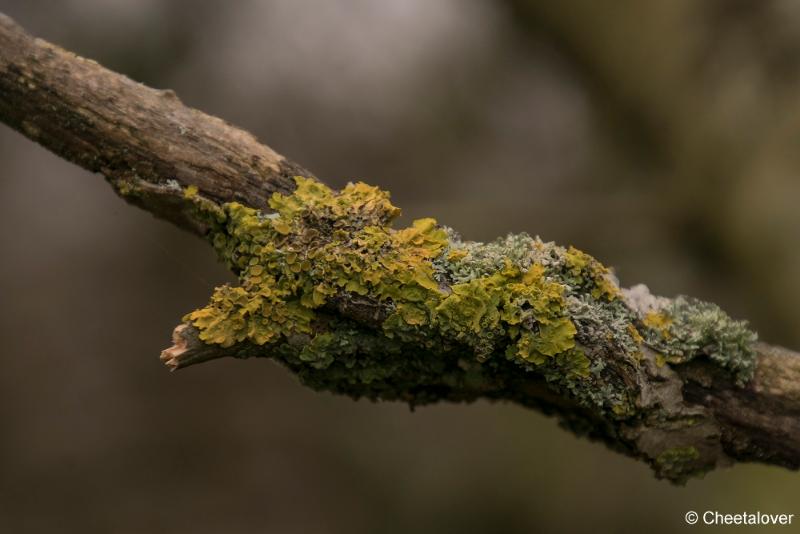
(587,271)
(323,251)
(658,321)
(190,192)
(321,244)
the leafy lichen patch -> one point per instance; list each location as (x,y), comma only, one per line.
(684,328)
(518,301)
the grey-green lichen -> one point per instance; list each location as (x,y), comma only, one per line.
(450,318)
(683,328)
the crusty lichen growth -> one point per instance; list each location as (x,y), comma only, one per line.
(445,313)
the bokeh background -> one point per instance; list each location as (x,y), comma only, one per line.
(660,136)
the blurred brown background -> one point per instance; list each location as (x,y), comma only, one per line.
(660,136)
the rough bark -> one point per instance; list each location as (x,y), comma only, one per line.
(143,140)
(687,418)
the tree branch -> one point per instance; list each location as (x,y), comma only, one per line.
(144,141)
(351,305)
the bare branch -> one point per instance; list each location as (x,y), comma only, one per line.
(144,141)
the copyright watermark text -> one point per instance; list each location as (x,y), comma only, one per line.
(713,517)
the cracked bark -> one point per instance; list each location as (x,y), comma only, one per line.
(150,147)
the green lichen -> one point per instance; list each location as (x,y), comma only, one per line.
(684,328)
(679,464)
(505,302)
(586,273)
(466,260)
(446,318)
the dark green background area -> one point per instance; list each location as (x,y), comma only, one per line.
(476,113)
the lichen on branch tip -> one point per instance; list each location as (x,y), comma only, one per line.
(506,301)
(549,310)
(354,306)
